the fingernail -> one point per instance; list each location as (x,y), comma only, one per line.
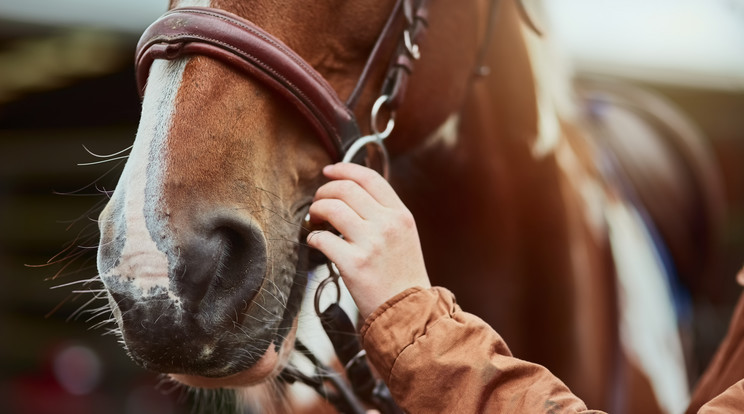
(311,235)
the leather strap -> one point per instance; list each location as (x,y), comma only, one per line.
(400,68)
(407,15)
(376,55)
(345,341)
(238,42)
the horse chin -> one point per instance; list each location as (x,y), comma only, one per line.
(268,367)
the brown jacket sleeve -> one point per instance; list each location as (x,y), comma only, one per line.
(436,358)
(730,401)
(727,365)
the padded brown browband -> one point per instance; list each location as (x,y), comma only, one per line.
(240,43)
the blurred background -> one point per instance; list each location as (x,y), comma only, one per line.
(67,93)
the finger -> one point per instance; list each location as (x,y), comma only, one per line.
(368,179)
(352,194)
(339,215)
(331,245)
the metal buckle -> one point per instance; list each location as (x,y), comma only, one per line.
(412,48)
(332,278)
(375,139)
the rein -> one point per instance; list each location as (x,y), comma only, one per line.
(246,47)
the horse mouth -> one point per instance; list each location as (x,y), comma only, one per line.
(191,351)
(234,339)
(268,366)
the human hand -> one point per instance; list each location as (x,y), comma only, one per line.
(380,254)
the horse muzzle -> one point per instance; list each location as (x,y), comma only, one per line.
(196,299)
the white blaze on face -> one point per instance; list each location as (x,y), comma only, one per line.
(141,262)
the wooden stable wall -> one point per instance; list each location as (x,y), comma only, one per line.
(42,135)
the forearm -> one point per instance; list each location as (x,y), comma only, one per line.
(437,358)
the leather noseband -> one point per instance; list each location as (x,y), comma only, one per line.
(240,43)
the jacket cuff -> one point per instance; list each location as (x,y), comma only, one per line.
(400,321)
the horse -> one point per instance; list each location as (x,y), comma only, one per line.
(522,213)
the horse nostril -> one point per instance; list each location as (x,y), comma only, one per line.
(226,262)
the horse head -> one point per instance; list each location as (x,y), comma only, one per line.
(202,243)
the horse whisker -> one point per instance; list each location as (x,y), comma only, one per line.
(109,155)
(80,309)
(90,291)
(101,324)
(84,281)
(85,164)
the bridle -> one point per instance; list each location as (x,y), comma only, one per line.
(246,47)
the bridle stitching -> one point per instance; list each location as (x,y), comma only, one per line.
(294,89)
(288,51)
